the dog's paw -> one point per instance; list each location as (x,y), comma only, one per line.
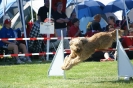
(62,67)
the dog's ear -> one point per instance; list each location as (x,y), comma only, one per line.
(121,32)
(84,41)
(74,41)
(71,41)
(113,33)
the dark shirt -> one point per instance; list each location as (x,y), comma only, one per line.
(95,26)
(58,15)
(108,26)
(113,45)
(123,24)
(42,12)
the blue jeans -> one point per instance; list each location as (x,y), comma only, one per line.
(58,32)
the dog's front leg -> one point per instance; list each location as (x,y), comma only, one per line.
(76,60)
(71,56)
(70,62)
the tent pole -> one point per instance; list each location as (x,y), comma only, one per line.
(126,14)
(31,13)
(4,8)
(76,8)
(20,6)
(48,35)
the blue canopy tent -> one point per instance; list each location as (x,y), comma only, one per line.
(119,5)
(72,2)
(68,2)
(7,3)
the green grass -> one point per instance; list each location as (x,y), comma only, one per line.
(84,75)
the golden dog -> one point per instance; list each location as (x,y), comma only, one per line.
(83,48)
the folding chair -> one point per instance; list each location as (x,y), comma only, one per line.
(7,60)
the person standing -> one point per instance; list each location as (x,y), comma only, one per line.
(61,20)
(44,10)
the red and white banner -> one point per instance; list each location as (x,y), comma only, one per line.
(65,51)
(32,54)
(52,38)
(44,38)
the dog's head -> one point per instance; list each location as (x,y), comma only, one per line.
(114,34)
(76,44)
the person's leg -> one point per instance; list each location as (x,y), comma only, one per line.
(58,32)
(115,55)
(14,47)
(23,47)
(64,32)
(107,57)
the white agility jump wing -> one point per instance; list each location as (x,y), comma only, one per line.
(125,68)
(55,68)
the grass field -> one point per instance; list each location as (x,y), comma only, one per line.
(85,75)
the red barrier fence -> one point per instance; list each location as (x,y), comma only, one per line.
(51,38)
